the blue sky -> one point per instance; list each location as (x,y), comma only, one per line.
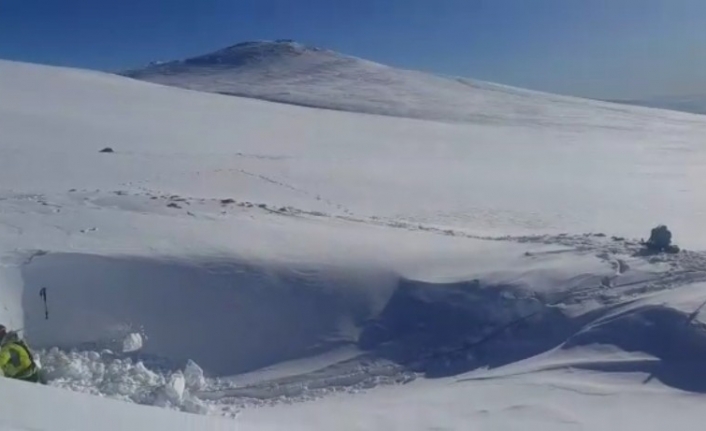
(595,48)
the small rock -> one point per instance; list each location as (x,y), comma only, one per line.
(263,206)
(107,150)
(672,249)
(227,201)
(174,205)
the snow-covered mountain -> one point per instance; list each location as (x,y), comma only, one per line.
(693,104)
(289,72)
(296,268)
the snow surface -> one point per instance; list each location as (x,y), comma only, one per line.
(297,268)
(695,104)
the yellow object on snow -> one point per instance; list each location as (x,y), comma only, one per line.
(16,361)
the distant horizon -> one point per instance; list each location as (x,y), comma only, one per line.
(602,49)
(308,45)
(655,98)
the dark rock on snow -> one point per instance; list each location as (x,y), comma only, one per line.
(661,241)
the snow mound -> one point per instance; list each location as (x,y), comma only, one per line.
(289,72)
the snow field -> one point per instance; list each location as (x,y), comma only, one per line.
(332,270)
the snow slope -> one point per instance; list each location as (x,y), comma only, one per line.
(323,266)
(617,177)
(693,104)
(289,72)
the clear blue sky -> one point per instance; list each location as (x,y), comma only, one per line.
(596,48)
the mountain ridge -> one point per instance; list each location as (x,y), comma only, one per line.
(289,72)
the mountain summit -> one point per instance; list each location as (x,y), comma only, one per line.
(289,72)
(250,53)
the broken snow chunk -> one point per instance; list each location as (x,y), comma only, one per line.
(174,389)
(132,343)
(193,374)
